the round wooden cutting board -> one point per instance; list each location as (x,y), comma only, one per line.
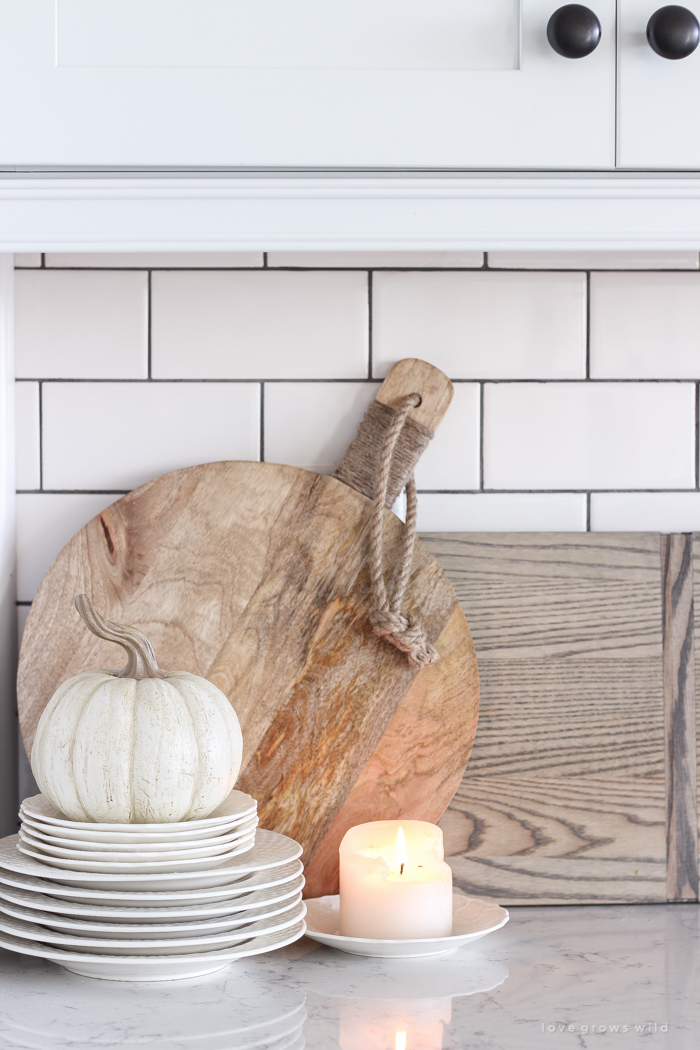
(255,576)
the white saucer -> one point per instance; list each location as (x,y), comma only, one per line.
(235,805)
(471,919)
(271,850)
(239,889)
(151,968)
(256,904)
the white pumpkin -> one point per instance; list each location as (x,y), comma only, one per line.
(137,746)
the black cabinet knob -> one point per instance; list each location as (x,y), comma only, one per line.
(574,31)
(673,32)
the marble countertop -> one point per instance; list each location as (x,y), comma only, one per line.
(553,977)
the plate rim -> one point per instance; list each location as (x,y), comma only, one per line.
(200,822)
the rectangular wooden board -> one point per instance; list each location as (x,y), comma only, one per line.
(582,784)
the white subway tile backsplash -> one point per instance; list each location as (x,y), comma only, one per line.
(119,435)
(310,425)
(645,511)
(24,259)
(502,512)
(382,260)
(645,325)
(266,325)
(482,325)
(639,260)
(81,325)
(27,439)
(46,521)
(155,260)
(589,435)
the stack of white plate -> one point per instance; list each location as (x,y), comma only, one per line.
(113,849)
(179,900)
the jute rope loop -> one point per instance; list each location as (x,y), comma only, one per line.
(386,617)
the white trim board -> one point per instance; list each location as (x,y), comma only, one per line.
(347,211)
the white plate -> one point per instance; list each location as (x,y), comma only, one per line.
(130,852)
(153,968)
(138,946)
(256,904)
(239,891)
(270,851)
(146,930)
(156,867)
(235,805)
(181,833)
(138,843)
(471,919)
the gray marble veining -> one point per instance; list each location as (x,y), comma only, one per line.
(560,977)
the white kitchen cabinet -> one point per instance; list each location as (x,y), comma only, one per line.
(301,83)
(658,98)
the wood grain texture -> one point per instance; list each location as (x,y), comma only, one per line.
(679,701)
(564,798)
(414,376)
(253,575)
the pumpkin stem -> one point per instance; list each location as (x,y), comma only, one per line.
(142,661)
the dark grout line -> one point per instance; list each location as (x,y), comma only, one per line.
(481,436)
(262,422)
(264,265)
(581,381)
(22,603)
(73,492)
(41,436)
(588,324)
(697,435)
(148,328)
(588,512)
(370,305)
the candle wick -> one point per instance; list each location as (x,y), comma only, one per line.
(401,871)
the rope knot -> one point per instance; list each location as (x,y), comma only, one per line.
(406,634)
(386,617)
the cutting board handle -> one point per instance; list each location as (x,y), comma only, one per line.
(361,461)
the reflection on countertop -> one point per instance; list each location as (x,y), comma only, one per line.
(603,977)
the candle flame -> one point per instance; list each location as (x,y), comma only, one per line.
(401,855)
(400,1041)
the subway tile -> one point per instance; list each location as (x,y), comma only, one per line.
(645,325)
(81,325)
(266,325)
(310,425)
(482,325)
(451,460)
(119,435)
(501,512)
(46,521)
(156,260)
(589,435)
(27,447)
(678,260)
(378,260)
(645,511)
(24,259)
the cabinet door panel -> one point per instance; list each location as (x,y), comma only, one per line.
(346,83)
(658,123)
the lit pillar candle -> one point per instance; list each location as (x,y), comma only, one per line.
(394,883)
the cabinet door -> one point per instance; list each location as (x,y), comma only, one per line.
(310,83)
(658,113)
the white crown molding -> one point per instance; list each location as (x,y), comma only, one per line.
(347,211)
